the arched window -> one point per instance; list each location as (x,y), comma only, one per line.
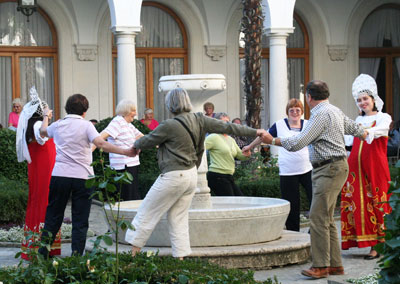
(297,65)
(161,49)
(380,54)
(28,57)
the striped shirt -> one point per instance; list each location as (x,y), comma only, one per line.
(122,134)
(324,133)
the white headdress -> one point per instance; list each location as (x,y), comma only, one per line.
(366,84)
(35,105)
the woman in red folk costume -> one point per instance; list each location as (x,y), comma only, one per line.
(362,210)
(40,154)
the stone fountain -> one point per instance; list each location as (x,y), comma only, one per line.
(238,232)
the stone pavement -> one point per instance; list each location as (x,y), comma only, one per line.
(355,265)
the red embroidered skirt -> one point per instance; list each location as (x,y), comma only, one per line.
(366,186)
(39,175)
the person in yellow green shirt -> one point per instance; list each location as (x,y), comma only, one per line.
(223,150)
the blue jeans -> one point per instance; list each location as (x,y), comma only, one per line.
(61,189)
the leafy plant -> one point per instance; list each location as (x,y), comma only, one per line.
(260,177)
(143,268)
(107,190)
(9,166)
(390,262)
(13,200)
(368,279)
(16,233)
(256,168)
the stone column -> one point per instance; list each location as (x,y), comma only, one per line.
(202,198)
(278,23)
(278,82)
(126,66)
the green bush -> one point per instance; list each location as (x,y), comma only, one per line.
(9,166)
(390,263)
(268,187)
(148,169)
(261,179)
(13,200)
(143,268)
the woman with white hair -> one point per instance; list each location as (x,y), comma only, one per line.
(120,132)
(181,146)
(148,119)
(13,117)
(367,185)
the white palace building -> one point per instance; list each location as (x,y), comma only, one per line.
(115,49)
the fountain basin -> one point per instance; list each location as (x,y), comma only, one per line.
(229,221)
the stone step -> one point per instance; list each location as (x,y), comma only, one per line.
(291,248)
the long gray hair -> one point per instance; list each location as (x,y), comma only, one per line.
(178,101)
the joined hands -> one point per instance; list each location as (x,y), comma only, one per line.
(264,136)
(132,152)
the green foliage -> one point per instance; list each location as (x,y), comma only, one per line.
(367,279)
(261,179)
(390,263)
(143,268)
(106,185)
(13,200)
(9,165)
(148,169)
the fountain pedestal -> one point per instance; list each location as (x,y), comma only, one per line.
(200,88)
(216,221)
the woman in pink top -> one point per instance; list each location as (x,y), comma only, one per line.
(73,136)
(149,120)
(13,117)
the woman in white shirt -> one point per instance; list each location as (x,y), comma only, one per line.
(120,132)
(294,167)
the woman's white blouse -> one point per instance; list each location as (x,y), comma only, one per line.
(36,132)
(382,124)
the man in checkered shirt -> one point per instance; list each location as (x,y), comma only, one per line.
(324,136)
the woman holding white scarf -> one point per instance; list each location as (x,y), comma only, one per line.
(40,153)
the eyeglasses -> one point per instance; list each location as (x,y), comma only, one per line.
(295,110)
(15,106)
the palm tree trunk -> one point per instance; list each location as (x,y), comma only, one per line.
(252,26)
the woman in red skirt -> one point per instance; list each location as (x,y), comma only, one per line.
(40,154)
(364,194)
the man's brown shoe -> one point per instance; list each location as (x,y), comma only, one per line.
(336,270)
(316,272)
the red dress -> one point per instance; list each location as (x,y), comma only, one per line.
(39,174)
(367,186)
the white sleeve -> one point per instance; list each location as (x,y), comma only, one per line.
(36,132)
(113,128)
(381,128)
(348,140)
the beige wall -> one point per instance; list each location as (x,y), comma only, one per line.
(331,24)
